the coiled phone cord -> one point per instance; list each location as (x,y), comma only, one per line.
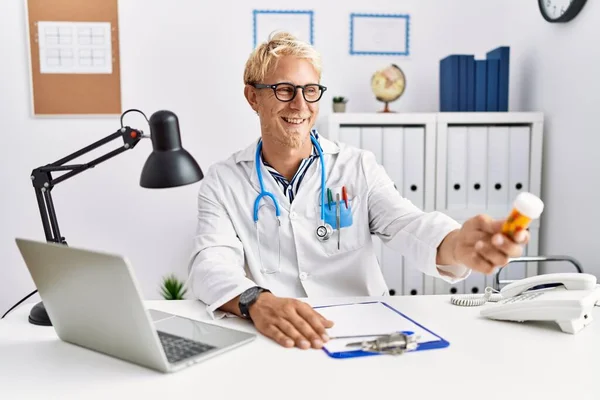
(472,300)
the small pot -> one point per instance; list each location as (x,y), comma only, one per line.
(339,107)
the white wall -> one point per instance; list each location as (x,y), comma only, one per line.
(180,56)
(560,78)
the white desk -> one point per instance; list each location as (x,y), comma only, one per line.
(486,360)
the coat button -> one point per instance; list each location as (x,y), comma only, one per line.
(293,215)
(303,276)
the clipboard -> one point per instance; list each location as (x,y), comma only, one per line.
(368,320)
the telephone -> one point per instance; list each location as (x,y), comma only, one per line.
(565,298)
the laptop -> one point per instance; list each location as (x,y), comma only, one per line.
(94,301)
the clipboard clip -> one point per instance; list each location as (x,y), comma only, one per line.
(395,344)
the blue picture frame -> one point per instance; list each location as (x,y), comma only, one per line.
(255,13)
(354,16)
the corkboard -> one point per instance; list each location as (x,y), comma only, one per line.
(74,93)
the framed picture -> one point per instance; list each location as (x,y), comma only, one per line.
(380,34)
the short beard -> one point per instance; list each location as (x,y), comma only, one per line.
(290,141)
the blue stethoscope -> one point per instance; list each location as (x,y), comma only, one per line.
(324,230)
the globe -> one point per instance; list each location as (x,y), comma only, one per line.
(388,84)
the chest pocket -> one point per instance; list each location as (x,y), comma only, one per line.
(268,238)
(353,231)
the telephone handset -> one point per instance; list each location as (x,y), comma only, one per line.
(571,281)
(565,298)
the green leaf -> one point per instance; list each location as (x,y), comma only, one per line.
(172,288)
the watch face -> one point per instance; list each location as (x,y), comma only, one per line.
(248,295)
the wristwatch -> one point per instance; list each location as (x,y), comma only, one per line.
(248,298)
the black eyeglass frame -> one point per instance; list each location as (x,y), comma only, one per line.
(322,90)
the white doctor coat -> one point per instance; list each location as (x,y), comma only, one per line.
(225,260)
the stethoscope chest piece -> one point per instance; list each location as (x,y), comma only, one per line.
(324,232)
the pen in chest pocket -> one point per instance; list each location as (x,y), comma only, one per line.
(337,216)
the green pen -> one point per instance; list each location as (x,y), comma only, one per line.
(329,198)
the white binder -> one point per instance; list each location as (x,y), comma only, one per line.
(456,183)
(498,157)
(393,162)
(350,136)
(477,167)
(475,283)
(519,161)
(413,182)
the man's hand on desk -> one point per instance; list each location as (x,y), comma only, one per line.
(289,322)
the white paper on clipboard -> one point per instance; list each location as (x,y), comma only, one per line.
(362,319)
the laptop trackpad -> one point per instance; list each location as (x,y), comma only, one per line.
(200,331)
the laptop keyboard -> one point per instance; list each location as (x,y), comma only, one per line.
(178,348)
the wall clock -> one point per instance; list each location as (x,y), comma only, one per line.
(560,10)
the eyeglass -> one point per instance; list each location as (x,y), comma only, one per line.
(285,91)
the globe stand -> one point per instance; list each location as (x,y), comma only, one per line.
(386,108)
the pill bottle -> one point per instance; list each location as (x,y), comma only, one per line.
(526,208)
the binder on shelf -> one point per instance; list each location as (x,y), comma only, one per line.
(480,85)
(463,83)
(467,84)
(470,83)
(350,135)
(502,54)
(493,67)
(518,176)
(475,283)
(414,190)
(476,167)
(357,322)
(456,188)
(449,82)
(498,168)
(393,162)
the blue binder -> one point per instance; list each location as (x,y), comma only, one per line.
(449,83)
(493,67)
(502,54)
(437,343)
(480,85)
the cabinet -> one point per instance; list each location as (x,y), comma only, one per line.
(461,164)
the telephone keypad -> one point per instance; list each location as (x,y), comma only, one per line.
(522,297)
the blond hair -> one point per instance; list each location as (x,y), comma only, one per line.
(279,44)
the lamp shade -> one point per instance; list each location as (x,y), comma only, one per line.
(169,165)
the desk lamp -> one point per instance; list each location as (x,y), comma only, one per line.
(169,165)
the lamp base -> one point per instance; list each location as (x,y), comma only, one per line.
(39,316)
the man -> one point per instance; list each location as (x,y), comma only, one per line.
(250,263)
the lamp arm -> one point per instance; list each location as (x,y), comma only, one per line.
(43,182)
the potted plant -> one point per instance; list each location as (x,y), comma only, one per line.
(339,104)
(172,288)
